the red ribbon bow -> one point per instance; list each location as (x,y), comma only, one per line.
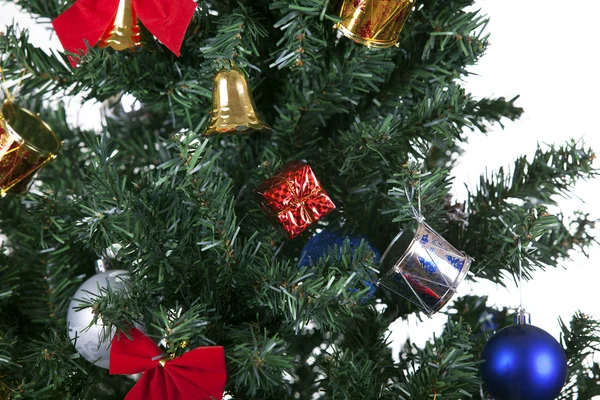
(88,20)
(199,374)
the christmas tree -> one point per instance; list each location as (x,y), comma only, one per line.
(165,198)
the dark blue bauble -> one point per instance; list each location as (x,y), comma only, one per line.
(323,242)
(523,362)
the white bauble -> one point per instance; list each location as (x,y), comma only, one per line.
(89,342)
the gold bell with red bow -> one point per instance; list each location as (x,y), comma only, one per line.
(124,32)
(374,23)
(233,109)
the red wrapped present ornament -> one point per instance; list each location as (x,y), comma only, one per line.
(199,374)
(293,198)
(114,23)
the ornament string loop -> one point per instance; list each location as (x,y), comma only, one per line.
(522,317)
(520,277)
(5,85)
(416,212)
(10,97)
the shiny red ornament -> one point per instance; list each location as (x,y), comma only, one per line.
(293,198)
(88,20)
(199,374)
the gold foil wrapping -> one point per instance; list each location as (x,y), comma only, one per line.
(233,108)
(26,145)
(374,23)
(124,32)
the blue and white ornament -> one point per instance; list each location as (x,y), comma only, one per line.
(523,362)
(423,267)
(324,242)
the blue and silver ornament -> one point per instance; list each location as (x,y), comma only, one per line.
(421,266)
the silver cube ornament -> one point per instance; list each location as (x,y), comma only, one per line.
(423,268)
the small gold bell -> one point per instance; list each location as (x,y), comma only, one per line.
(124,32)
(374,23)
(233,108)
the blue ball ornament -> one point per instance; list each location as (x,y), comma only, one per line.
(321,244)
(523,362)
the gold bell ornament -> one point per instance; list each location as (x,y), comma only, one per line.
(374,23)
(26,144)
(124,32)
(114,23)
(233,108)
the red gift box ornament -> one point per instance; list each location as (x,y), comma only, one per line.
(293,198)
(199,374)
(109,21)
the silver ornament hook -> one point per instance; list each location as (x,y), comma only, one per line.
(522,317)
(100,266)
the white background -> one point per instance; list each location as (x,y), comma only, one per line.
(547,51)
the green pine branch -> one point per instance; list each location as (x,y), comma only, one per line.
(485,111)
(303,23)
(502,211)
(236,38)
(380,128)
(446,367)
(259,361)
(45,9)
(581,339)
(33,69)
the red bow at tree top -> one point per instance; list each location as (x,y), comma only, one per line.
(199,374)
(88,20)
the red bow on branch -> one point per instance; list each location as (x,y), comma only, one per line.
(199,374)
(87,20)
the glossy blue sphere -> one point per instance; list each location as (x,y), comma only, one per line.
(523,362)
(323,242)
